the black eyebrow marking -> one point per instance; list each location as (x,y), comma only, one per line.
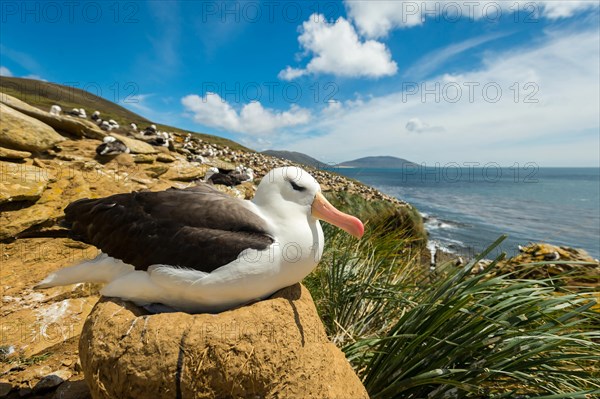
(297,187)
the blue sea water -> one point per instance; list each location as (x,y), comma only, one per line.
(467,208)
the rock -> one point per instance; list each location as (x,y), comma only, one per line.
(21,132)
(156,171)
(184,171)
(21,182)
(134,145)
(542,252)
(52,381)
(272,348)
(248,188)
(143,158)
(217,163)
(7,153)
(75,126)
(5,389)
(73,390)
(166,158)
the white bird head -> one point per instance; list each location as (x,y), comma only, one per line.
(287,188)
(211,171)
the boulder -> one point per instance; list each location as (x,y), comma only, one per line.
(51,381)
(75,126)
(563,260)
(156,171)
(7,153)
(77,389)
(143,158)
(21,182)
(5,389)
(166,158)
(21,132)
(272,348)
(135,146)
(185,171)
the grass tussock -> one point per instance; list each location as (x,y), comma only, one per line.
(412,334)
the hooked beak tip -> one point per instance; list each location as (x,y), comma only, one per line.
(323,210)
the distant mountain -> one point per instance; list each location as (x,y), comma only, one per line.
(297,157)
(42,95)
(384,162)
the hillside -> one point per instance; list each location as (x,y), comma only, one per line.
(44,94)
(294,156)
(382,162)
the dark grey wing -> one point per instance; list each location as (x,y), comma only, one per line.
(199,227)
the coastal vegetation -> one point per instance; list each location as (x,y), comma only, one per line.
(413,333)
(506,331)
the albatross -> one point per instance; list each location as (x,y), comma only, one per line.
(200,250)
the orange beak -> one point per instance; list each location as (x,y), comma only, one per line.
(323,210)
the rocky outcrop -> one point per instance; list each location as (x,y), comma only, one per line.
(135,146)
(272,348)
(7,153)
(20,183)
(557,261)
(22,132)
(77,127)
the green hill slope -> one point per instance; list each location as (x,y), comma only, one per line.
(297,157)
(44,94)
(383,162)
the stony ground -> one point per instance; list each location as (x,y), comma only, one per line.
(39,176)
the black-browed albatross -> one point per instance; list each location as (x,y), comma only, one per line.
(199,250)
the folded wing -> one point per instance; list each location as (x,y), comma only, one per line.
(198,228)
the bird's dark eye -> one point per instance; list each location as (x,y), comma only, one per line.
(297,187)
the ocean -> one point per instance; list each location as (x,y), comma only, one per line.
(468,208)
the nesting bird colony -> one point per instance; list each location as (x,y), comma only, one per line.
(247,165)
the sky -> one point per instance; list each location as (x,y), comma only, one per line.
(434,82)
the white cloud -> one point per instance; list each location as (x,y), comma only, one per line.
(333,107)
(552,120)
(416,125)
(565,9)
(336,49)
(290,73)
(4,71)
(257,143)
(211,110)
(375,19)
(431,61)
(35,77)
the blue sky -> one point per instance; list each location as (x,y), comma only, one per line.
(434,82)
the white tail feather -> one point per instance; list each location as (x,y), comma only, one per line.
(102,269)
(135,286)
